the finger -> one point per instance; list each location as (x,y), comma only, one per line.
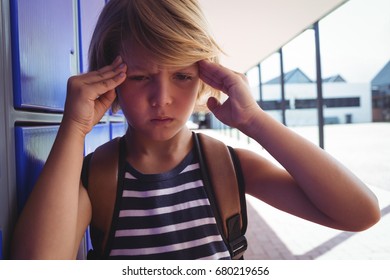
(105,101)
(210,74)
(106,72)
(218,77)
(213,104)
(217,71)
(106,85)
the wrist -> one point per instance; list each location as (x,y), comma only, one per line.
(253,124)
(70,130)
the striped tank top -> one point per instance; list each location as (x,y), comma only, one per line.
(165,216)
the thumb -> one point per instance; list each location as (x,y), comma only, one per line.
(103,103)
(213,104)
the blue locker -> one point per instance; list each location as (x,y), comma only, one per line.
(43,52)
(32,147)
(119,113)
(89,12)
(99,135)
(1,244)
(118,129)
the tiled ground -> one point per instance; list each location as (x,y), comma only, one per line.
(272,234)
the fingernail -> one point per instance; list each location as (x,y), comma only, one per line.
(117,59)
(203,62)
(121,65)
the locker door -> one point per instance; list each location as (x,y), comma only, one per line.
(44,53)
(32,147)
(89,12)
(99,135)
(117,129)
(1,244)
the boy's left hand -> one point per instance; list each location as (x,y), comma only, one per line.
(240,107)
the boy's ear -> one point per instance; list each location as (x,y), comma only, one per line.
(115,107)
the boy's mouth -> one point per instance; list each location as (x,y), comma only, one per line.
(162,120)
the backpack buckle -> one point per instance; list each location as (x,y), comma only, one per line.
(236,239)
(237,247)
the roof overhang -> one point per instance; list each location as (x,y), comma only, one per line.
(250,30)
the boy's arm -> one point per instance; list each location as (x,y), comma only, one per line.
(313,185)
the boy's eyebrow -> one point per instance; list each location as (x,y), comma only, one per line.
(136,67)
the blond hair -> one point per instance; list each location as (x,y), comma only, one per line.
(174,31)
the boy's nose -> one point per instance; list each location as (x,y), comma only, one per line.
(161,94)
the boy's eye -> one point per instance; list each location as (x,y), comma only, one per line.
(183,77)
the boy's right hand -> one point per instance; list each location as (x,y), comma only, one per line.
(91,94)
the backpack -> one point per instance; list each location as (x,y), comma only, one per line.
(222,177)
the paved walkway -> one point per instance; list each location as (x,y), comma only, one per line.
(275,235)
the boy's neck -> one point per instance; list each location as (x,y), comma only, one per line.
(152,157)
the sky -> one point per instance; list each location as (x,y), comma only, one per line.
(354,39)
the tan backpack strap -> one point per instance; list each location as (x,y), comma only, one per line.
(225,191)
(104,164)
(102,186)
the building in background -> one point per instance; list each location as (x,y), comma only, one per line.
(380,91)
(343,102)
